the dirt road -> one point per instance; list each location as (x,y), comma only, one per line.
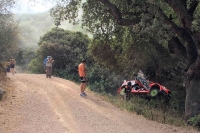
(36,104)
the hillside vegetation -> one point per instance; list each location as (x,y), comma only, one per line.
(33,26)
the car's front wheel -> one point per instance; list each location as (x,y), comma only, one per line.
(154,92)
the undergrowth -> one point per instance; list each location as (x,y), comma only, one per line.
(152,110)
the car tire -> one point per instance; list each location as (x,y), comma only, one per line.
(154,92)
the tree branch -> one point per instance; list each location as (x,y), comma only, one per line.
(184,2)
(118,15)
(182,33)
(169,23)
(193,7)
(176,47)
(179,8)
(186,19)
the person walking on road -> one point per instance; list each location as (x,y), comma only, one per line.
(82,75)
(12,66)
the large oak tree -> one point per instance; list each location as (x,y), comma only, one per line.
(178,19)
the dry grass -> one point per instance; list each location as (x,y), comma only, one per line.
(141,107)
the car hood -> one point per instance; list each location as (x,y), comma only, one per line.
(126,82)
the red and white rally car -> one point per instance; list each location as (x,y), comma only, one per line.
(141,85)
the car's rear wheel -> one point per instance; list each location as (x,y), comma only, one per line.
(154,92)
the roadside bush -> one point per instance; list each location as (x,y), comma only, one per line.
(36,66)
(65,74)
(102,80)
(195,121)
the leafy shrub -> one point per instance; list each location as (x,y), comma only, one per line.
(102,80)
(66,74)
(36,66)
(195,121)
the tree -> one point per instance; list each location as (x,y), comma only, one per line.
(67,48)
(8,36)
(8,30)
(172,21)
(6,5)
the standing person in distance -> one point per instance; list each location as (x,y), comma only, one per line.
(12,66)
(7,66)
(82,75)
(45,61)
(49,65)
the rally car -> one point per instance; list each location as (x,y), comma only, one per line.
(141,85)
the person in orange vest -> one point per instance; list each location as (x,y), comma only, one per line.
(82,75)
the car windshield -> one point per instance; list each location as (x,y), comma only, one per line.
(142,74)
(143,80)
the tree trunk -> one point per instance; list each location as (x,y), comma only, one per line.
(192,103)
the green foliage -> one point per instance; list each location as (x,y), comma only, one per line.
(153,110)
(66,74)
(131,52)
(67,48)
(9,32)
(195,121)
(23,57)
(36,66)
(103,80)
(131,36)
(31,27)
(8,36)
(196,22)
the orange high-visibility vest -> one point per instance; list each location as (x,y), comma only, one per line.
(81,70)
